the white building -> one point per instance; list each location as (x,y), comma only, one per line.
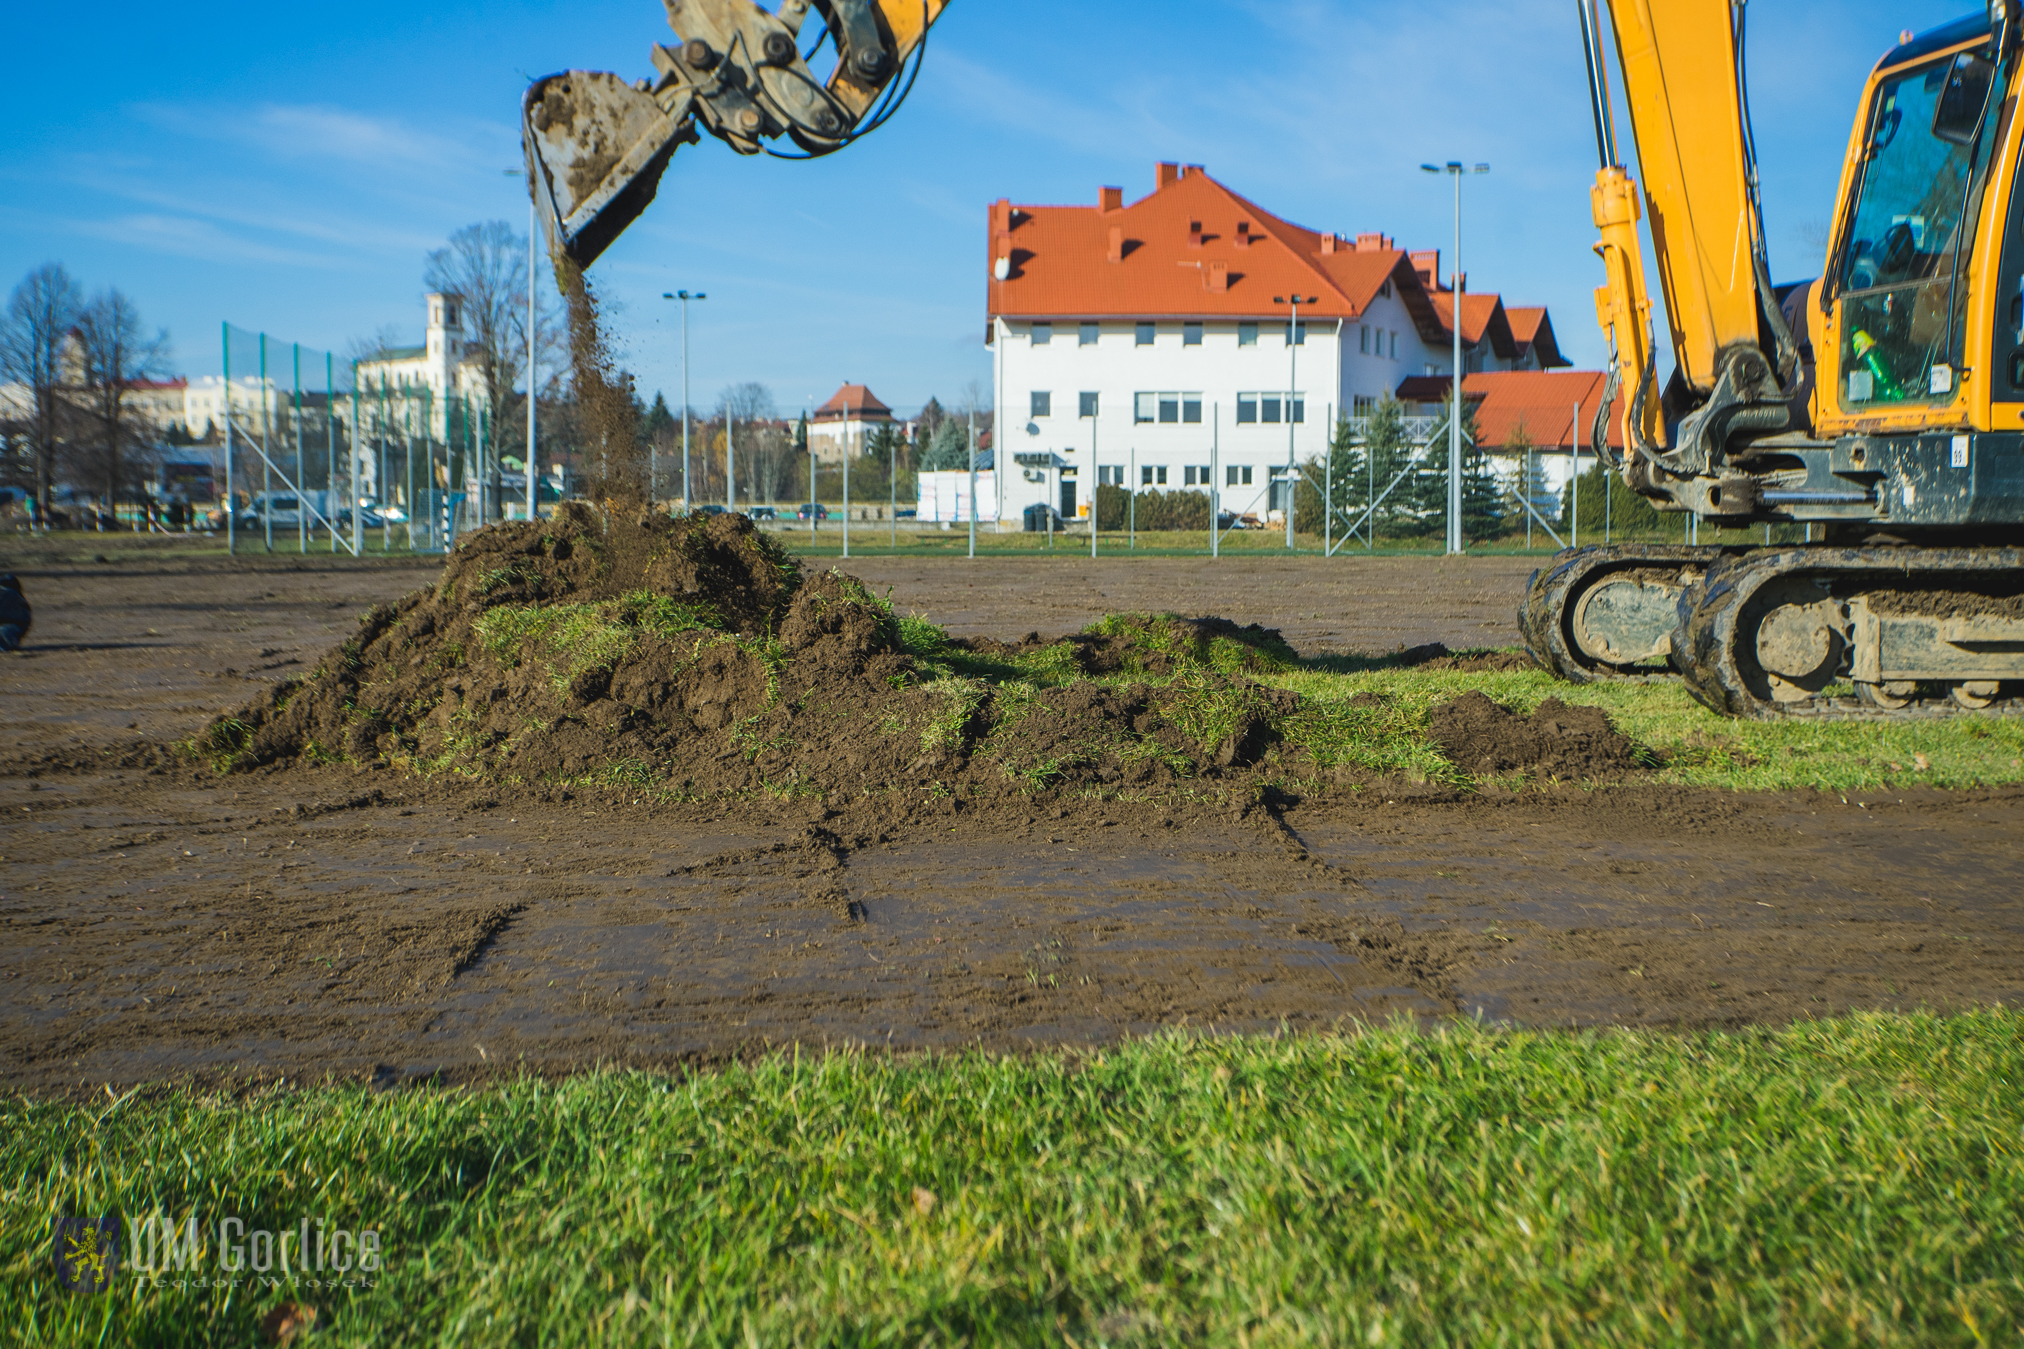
(1152,344)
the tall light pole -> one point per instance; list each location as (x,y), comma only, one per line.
(532,511)
(686,296)
(1455,170)
(1292,390)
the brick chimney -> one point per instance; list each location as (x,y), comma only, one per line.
(1169,174)
(1243,234)
(1109,199)
(1216,276)
(1116,243)
(1194,234)
(1427,262)
(1327,244)
(1001,215)
(1373,243)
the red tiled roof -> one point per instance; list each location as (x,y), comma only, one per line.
(853,402)
(1482,318)
(1542,401)
(1532,328)
(1191,248)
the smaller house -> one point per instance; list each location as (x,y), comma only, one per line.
(841,426)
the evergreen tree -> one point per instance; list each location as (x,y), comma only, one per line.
(1386,453)
(1341,476)
(1430,484)
(949,449)
(659,425)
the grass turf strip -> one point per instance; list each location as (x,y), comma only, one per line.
(1854,1181)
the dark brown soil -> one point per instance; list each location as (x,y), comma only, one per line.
(1160,645)
(1485,738)
(1436,656)
(306,921)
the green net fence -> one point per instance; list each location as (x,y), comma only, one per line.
(390,447)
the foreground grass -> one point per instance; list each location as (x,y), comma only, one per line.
(1839,1182)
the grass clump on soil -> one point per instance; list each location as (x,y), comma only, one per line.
(1846,1181)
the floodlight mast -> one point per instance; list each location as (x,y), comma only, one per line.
(1454,169)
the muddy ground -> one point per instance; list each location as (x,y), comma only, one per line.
(305,923)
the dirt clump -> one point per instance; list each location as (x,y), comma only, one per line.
(1437,656)
(604,397)
(1484,738)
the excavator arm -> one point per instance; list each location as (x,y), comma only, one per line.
(1682,68)
(597,145)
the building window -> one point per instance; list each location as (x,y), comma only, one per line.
(1188,476)
(1236,475)
(1110,474)
(1085,336)
(1191,407)
(1043,333)
(1395,346)
(1144,407)
(1160,476)
(1151,476)
(1170,407)
(1268,410)
(1363,339)
(1296,408)
(1191,334)
(1040,403)
(1247,334)
(1247,408)
(1088,404)
(1384,289)
(1363,405)
(1145,335)
(1271,407)
(1296,334)
(1167,407)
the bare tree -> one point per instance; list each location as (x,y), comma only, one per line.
(33,333)
(117,353)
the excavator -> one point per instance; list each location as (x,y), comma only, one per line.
(1880,406)
(597,145)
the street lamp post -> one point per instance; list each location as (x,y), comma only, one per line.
(532,510)
(686,296)
(1292,391)
(1455,170)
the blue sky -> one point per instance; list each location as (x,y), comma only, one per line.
(287,168)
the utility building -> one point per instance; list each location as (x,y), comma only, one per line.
(1132,340)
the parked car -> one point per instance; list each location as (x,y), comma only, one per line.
(762,512)
(1232,520)
(711,509)
(812,510)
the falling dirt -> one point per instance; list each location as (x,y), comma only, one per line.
(618,468)
(1485,738)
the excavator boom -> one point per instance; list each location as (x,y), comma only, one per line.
(597,145)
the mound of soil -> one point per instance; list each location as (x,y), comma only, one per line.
(693,654)
(1437,656)
(1161,645)
(1482,737)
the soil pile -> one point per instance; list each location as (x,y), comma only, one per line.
(1483,738)
(692,654)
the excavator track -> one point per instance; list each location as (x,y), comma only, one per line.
(1608,612)
(1919,631)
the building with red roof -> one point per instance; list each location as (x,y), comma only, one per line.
(1150,342)
(840,426)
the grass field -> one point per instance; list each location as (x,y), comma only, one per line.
(1847,1182)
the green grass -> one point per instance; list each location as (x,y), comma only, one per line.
(1855,1181)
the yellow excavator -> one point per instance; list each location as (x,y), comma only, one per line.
(597,144)
(1881,406)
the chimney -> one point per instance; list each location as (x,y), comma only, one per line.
(1427,262)
(1116,243)
(1243,234)
(1217,276)
(1194,234)
(1327,243)
(1169,174)
(1001,215)
(1109,199)
(1461,280)
(1373,243)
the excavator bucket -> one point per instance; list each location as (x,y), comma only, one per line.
(596,147)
